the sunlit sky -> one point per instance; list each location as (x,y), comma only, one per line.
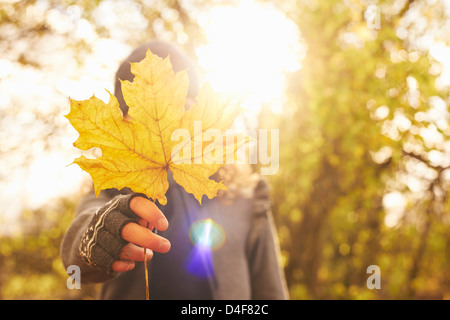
(251,55)
(250,49)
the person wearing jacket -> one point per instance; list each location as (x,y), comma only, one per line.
(238,260)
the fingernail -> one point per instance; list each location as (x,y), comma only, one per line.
(130,266)
(161,224)
(148,254)
(164,246)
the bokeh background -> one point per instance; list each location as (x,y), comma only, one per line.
(359,90)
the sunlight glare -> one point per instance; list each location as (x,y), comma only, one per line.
(250,48)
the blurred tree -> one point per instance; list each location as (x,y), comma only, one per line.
(363,134)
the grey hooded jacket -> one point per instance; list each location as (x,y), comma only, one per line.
(245,265)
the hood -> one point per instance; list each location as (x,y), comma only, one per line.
(180,61)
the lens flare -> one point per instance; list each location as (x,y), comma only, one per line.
(206,235)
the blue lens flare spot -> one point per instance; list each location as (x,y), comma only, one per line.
(199,262)
(206,235)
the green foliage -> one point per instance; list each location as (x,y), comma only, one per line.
(30,263)
(328,195)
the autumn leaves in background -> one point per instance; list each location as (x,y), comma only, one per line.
(158,134)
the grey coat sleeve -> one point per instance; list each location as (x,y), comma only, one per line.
(267,276)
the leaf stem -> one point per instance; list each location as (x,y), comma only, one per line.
(147,295)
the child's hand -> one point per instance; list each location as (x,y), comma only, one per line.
(120,230)
(140,236)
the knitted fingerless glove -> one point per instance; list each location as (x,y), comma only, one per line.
(101,242)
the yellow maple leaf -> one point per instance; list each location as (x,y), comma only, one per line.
(138,151)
